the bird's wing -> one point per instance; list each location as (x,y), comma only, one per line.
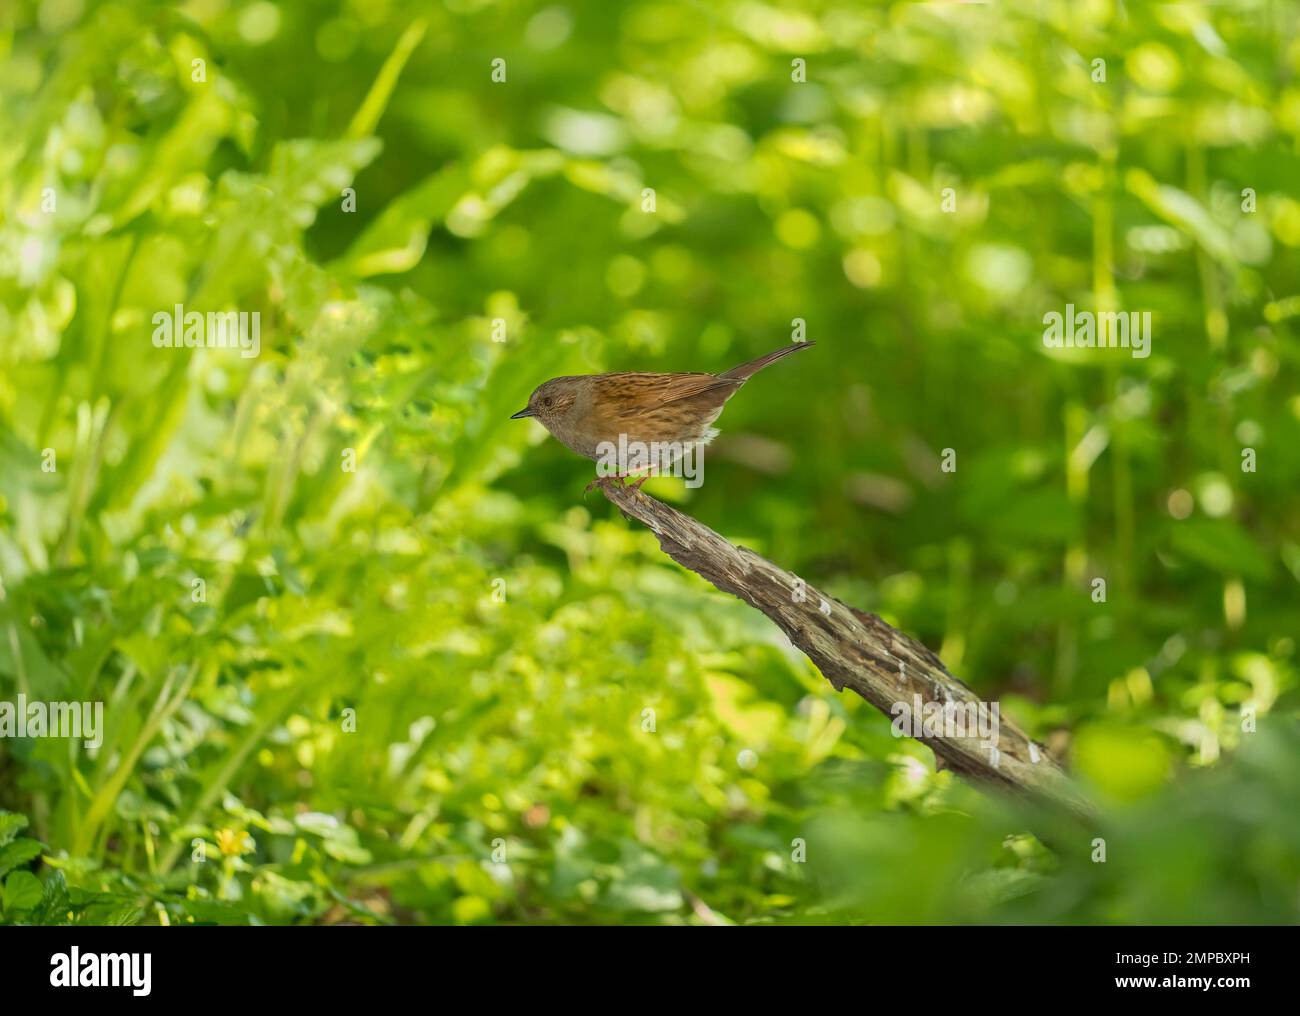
(652,390)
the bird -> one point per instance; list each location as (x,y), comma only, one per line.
(592,413)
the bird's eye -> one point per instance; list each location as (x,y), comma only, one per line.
(547,402)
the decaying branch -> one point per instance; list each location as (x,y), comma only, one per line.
(855,650)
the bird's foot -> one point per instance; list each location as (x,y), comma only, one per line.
(601,481)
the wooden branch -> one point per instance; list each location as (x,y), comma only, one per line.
(855,650)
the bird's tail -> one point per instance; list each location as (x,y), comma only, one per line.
(753,367)
(748,370)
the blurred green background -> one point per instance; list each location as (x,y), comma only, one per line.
(446,687)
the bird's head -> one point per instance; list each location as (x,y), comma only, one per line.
(553,401)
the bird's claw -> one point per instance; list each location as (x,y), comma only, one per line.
(622,481)
(601,481)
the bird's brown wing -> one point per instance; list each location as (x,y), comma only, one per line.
(649,390)
(639,401)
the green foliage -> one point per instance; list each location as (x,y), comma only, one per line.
(443,687)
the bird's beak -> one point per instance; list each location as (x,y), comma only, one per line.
(522,413)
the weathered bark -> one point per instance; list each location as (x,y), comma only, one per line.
(854,650)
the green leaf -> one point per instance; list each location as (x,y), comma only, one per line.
(1221,545)
(1184,211)
(306,174)
(11,824)
(367,117)
(55,902)
(396,239)
(18,853)
(22,891)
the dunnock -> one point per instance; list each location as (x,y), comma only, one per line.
(590,410)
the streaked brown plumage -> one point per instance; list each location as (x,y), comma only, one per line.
(585,410)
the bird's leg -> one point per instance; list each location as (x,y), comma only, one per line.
(650,471)
(600,481)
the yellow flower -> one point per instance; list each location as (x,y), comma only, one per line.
(234,842)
